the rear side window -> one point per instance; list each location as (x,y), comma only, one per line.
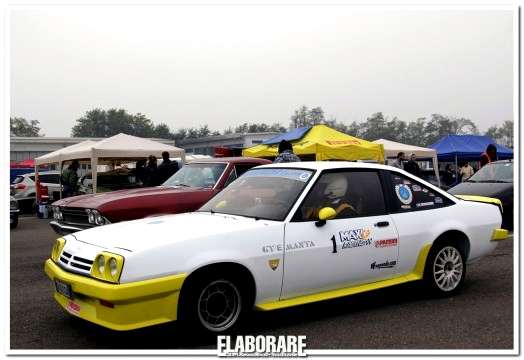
(18,180)
(410,195)
(49,178)
(350,193)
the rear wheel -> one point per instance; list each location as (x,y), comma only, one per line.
(445,269)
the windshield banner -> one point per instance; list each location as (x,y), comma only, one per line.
(293,174)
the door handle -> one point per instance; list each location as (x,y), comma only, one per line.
(382,224)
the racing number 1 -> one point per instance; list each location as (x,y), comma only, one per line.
(334,244)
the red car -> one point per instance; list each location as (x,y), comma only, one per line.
(187,190)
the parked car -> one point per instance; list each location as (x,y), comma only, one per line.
(493,180)
(119,179)
(281,235)
(13,217)
(187,190)
(23,188)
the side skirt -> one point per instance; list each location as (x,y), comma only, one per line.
(416,274)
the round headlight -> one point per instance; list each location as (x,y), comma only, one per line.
(113,266)
(101,264)
(99,219)
(91,217)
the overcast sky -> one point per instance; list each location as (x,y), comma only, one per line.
(224,65)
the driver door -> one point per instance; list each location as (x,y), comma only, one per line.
(359,245)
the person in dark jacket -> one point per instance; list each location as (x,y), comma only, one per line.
(140,171)
(412,167)
(70,179)
(285,153)
(152,172)
(167,168)
(449,177)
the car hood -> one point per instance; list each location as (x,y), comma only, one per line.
(496,190)
(143,234)
(94,201)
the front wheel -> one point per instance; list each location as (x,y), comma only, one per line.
(214,305)
(445,269)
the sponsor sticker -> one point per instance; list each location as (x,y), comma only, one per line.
(261,346)
(416,188)
(428,203)
(384,265)
(404,194)
(273,264)
(355,238)
(385,243)
(292,246)
(73,307)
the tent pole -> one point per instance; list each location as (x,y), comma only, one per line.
(436,169)
(94,161)
(60,177)
(456,169)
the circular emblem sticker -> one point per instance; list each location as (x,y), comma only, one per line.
(404,194)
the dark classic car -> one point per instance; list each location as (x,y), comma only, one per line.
(493,180)
(185,191)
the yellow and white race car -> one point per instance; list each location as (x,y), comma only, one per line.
(280,235)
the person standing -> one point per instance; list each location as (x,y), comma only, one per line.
(449,177)
(152,171)
(412,167)
(285,153)
(489,155)
(69,179)
(166,168)
(466,171)
(399,162)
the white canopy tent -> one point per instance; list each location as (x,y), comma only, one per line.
(392,148)
(117,147)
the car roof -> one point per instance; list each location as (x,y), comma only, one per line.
(237,160)
(502,161)
(324,165)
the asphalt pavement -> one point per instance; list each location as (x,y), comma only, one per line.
(402,317)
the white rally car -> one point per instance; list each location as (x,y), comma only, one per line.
(279,236)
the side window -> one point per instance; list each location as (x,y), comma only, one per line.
(410,195)
(232,176)
(350,194)
(242,168)
(50,179)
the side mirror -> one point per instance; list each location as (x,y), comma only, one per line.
(326,213)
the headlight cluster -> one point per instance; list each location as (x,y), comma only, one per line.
(57,213)
(14,205)
(57,249)
(107,267)
(94,217)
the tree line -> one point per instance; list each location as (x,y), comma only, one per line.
(423,131)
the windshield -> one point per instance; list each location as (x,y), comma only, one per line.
(261,193)
(197,175)
(494,172)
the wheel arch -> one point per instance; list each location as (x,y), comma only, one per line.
(456,237)
(235,269)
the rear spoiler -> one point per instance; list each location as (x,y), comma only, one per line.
(482,199)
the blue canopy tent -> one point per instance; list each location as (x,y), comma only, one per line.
(455,148)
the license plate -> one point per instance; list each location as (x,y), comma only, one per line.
(64,289)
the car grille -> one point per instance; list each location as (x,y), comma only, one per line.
(76,263)
(75,216)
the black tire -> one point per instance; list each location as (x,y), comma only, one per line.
(213,304)
(445,269)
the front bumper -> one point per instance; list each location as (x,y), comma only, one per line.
(65,229)
(135,305)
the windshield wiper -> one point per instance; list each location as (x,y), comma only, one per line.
(185,185)
(471,181)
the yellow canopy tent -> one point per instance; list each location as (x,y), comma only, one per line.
(324,143)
